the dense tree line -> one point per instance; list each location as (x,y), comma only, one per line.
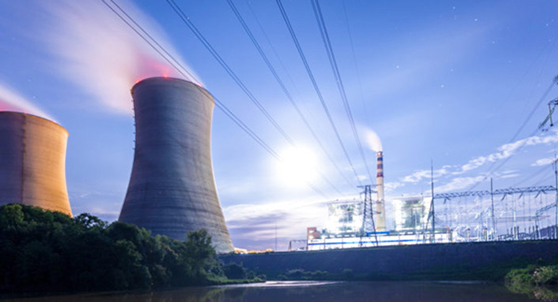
(49,251)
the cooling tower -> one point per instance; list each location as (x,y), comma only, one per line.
(172,190)
(32,162)
(380,203)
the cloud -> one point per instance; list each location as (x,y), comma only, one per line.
(419,175)
(459,183)
(391,186)
(253,226)
(503,152)
(508,150)
(13,101)
(99,52)
(543,161)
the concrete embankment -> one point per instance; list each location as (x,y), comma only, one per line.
(457,261)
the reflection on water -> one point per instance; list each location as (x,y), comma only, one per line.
(314,291)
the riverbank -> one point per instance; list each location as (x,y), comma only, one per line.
(457,261)
(312,291)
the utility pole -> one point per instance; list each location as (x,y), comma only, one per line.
(494,233)
(556,198)
(432,205)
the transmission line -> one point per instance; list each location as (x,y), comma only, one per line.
(222,62)
(315,86)
(151,41)
(231,73)
(339,81)
(283,87)
(177,66)
(492,167)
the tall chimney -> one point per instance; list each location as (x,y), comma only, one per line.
(172,189)
(380,203)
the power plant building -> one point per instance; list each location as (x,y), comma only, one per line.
(32,162)
(172,188)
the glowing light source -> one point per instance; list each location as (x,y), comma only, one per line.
(297,166)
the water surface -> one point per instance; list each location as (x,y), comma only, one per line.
(312,291)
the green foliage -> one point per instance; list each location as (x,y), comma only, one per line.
(49,251)
(348,274)
(533,280)
(234,271)
(300,274)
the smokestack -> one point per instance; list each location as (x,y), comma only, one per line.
(172,189)
(380,203)
(32,162)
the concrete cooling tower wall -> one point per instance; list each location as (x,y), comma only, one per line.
(32,162)
(172,189)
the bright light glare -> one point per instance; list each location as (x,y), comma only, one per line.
(297,166)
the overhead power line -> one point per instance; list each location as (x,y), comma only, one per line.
(493,168)
(223,64)
(316,87)
(140,31)
(177,66)
(339,81)
(284,88)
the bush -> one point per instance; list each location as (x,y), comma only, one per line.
(44,250)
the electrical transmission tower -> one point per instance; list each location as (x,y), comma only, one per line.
(367,215)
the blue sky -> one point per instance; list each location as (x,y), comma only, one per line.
(449,81)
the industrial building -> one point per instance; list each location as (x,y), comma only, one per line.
(32,162)
(362,223)
(172,188)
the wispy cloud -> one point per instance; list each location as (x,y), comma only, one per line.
(392,186)
(422,174)
(503,152)
(459,183)
(254,225)
(543,161)
(99,52)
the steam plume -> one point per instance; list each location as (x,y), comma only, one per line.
(102,54)
(12,101)
(373,140)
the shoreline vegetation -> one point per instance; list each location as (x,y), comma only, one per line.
(48,253)
(44,252)
(536,281)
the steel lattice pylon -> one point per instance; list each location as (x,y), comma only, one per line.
(367,216)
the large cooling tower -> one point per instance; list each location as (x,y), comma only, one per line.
(32,162)
(172,189)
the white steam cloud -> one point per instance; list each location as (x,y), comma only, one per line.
(12,101)
(373,140)
(102,54)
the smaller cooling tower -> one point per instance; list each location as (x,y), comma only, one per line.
(172,189)
(32,162)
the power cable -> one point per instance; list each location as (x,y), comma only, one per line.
(222,62)
(214,53)
(339,81)
(357,70)
(316,87)
(283,87)
(175,64)
(151,42)
(492,167)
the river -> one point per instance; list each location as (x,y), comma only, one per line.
(312,291)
